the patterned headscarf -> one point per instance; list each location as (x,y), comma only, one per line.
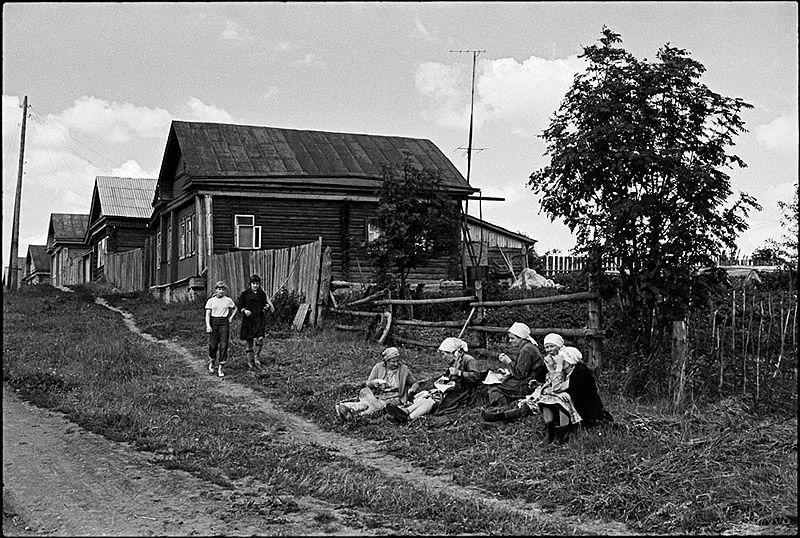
(390,353)
(522,331)
(452,344)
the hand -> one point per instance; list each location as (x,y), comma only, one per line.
(246,312)
(533,384)
(208,328)
(453,371)
(504,358)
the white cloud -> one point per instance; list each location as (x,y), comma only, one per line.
(521,94)
(197,110)
(118,122)
(235,32)
(420,32)
(780,134)
(131,168)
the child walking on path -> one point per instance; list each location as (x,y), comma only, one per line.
(253,303)
(220,311)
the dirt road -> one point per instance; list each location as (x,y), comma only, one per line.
(59,479)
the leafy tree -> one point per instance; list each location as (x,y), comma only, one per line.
(637,170)
(418,222)
(786,249)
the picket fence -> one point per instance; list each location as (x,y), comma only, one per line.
(296,269)
(555,264)
(124,270)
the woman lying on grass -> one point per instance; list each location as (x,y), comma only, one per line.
(389,381)
(568,396)
(459,386)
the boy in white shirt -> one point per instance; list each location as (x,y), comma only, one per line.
(220,311)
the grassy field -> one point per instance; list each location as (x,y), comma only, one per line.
(716,468)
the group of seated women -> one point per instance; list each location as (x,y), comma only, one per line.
(557,385)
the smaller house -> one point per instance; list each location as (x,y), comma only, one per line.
(118,219)
(37,265)
(497,247)
(66,246)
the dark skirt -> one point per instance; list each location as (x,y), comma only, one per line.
(583,392)
(464,394)
(252,327)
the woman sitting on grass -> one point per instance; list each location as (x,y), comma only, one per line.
(389,381)
(527,365)
(568,396)
(459,386)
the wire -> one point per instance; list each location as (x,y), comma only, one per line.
(46,120)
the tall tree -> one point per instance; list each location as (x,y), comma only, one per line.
(417,220)
(785,249)
(638,159)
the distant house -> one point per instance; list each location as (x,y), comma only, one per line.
(20,272)
(37,265)
(225,188)
(497,247)
(118,219)
(66,246)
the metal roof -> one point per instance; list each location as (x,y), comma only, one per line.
(69,227)
(247,151)
(126,196)
(39,257)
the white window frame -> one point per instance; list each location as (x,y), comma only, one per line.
(238,225)
(102,249)
(190,235)
(182,239)
(168,244)
(158,248)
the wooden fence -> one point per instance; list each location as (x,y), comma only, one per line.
(557,264)
(125,270)
(296,269)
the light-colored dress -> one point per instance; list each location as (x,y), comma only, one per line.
(554,389)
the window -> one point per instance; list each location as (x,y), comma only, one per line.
(158,249)
(373,232)
(101,252)
(168,243)
(190,235)
(247,234)
(182,239)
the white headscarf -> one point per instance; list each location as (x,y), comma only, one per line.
(554,339)
(522,331)
(390,353)
(452,344)
(571,354)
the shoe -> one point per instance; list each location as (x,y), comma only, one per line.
(220,373)
(492,416)
(345,412)
(562,435)
(396,413)
(210,366)
(258,363)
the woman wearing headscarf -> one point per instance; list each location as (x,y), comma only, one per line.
(388,381)
(524,367)
(569,394)
(458,386)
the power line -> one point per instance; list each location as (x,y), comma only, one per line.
(46,120)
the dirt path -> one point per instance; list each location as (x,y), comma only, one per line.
(59,479)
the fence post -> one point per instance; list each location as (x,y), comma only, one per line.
(595,323)
(679,356)
(324,284)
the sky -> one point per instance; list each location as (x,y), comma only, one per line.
(104,81)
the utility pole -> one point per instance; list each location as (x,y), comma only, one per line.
(13,277)
(473,258)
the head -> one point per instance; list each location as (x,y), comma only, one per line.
(220,288)
(452,347)
(255,282)
(518,333)
(553,343)
(391,358)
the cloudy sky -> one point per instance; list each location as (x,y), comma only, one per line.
(105,80)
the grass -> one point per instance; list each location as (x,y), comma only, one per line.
(116,384)
(715,468)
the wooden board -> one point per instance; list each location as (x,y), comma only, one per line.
(300,317)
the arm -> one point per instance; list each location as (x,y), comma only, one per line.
(233,311)
(521,368)
(208,320)
(373,376)
(469,371)
(240,303)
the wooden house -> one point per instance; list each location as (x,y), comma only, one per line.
(66,246)
(224,188)
(20,270)
(118,219)
(37,265)
(497,247)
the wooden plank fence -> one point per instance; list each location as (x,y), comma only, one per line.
(125,270)
(296,269)
(555,264)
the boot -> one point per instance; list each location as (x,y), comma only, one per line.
(210,365)
(258,356)
(250,360)
(549,432)
(396,413)
(492,416)
(562,435)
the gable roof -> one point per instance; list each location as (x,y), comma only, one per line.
(38,256)
(123,196)
(217,150)
(67,227)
